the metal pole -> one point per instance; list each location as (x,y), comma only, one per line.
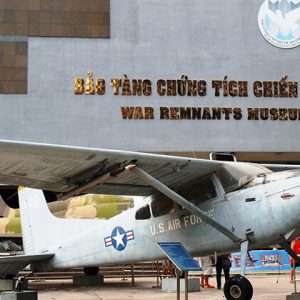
(178,283)
(158,275)
(294,276)
(244,251)
(132,275)
(186,282)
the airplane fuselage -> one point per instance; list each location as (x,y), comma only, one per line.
(261,213)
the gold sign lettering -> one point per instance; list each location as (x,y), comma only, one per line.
(282,114)
(89,86)
(184,87)
(230,88)
(200,113)
(100,86)
(276,89)
(78,86)
(137,113)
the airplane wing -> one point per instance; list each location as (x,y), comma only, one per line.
(13,263)
(62,168)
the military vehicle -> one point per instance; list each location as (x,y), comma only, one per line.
(209,206)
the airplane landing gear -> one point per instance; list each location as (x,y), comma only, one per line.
(238,287)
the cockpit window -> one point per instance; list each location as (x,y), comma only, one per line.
(234,176)
(161,206)
(200,191)
(143,213)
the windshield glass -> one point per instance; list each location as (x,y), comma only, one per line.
(235,175)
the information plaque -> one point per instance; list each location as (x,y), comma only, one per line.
(179,256)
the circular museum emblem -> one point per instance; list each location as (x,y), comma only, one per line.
(279,22)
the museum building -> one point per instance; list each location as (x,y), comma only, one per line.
(175,77)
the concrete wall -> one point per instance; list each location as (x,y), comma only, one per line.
(206,39)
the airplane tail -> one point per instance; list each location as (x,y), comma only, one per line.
(41,230)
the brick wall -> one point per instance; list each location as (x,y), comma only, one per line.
(44,18)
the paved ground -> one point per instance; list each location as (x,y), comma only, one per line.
(273,287)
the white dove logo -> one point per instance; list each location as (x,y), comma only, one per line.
(279,22)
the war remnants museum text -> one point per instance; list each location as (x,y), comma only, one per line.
(186,87)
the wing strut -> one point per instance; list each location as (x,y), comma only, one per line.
(183,202)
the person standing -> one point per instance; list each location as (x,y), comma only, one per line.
(206,263)
(223,263)
(296,248)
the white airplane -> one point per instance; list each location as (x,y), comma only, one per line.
(206,205)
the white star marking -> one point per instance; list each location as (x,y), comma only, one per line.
(119,238)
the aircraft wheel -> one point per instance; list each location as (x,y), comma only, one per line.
(238,287)
(88,271)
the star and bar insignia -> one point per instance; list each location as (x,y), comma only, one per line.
(119,238)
